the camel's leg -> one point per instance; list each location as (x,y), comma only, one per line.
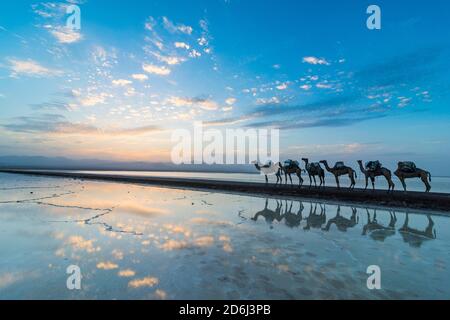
(367,183)
(373,183)
(352,180)
(285,177)
(267,179)
(403,183)
(310,181)
(425,181)
(315,182)
(337,181)
(290,178)
(300,179)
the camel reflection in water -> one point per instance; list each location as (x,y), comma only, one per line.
(293,219)
(341,222)
(415,237)
(270,215)
(314,220)
(376,230)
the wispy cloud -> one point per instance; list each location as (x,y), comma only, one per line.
(31,68)
(59,125)
(121,82)
(158,70)
(315,60)
(172,27)
(66,35)
(139,77)
(203,103)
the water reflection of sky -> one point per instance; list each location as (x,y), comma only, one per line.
(140,242)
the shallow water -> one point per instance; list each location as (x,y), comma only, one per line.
(143,242)
(438,184)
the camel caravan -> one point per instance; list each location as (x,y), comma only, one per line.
(371,170)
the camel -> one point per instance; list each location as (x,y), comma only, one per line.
(314,169)
(315,220)
(378,231)
(293,168)
(417,173)
(293,219)
(381,171)
(270,215)
(342,223)
(415,237)
(270,169)
(338,171)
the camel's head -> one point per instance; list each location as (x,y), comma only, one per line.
(323,161)
(304,159)
(359,161)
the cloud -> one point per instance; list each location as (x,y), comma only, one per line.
(93,99)
(315,123)
(31,68)
(66,35)
(194,54)
(81,244)
(139,77)
(264,101)
(203,103)
(150,68)
(171,27)
(323,86)
(414,67)
(315,61)
(52,105)
(59,125)
(230,101)
(229,121)
(305,87)
(121,82)
(144,282)
(107,265)
(170,60)
(282,86)
(127,273)
(182,45)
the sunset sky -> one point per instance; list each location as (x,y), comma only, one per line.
(137,70)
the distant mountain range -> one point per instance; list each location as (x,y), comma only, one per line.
(61,163)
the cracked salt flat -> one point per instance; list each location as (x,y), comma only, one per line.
(140,242)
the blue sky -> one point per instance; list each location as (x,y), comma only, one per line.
(138,69)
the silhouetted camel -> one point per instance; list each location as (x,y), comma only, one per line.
(270,169)
(417,173)
(381,171)
(293,168)
(341,170)
(314,169)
